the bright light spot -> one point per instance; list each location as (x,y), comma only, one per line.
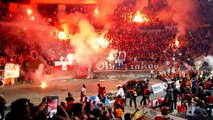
(111,57)
(61,21)
(103,42)
(62,35)
(32,18)
(29,11)
(61,58)
(139,18)
(43,84)
(96,11)
(70,57)
(177,43)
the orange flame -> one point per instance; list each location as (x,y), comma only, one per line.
(29,11)
(96,12)
(32,18)
(177,43)
(139,18)
(30,14)
(43,84)
(102,41)
(111,57)
(61,35)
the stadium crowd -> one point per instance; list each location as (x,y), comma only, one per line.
(192,98)
(153,41)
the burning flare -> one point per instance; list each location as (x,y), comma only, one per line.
(29,11)
(111,57)
(140,18)
(103,42)
(177,43)
(30,14)
(96,11)
(43,84)
(32,18)
(61,35)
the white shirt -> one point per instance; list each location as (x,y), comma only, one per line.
(83,91)
(120,92)
(152,71)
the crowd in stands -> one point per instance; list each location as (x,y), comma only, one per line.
(141,41)
(192,99)
(15,47)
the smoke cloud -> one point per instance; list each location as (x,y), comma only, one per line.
(199,62)
(39,35)
(209,60)
(84,39)
(182,12)
(38,75)
(106,10)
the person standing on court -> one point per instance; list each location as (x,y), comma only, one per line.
(120,92)
(133,97)
(83,93)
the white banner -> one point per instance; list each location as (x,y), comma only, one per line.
(160,87)
(11,70)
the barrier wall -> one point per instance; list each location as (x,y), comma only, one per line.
(122,73)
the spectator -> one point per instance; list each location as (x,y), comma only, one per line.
(111,114)
(118,111)
(120,92)
(176,92)
(199,114)
(152,73)
(97,113)
(2,106)
(194,87)
(164,113)
(99,89)
(103,94)
(69,103)
(119,101)
(170,97)
(145,97)
(128,116)
(69,97)
(22,109)
(133,97)
(83,93)
(77,111)
(88,107)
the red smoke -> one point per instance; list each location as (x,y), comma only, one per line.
(182,12)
